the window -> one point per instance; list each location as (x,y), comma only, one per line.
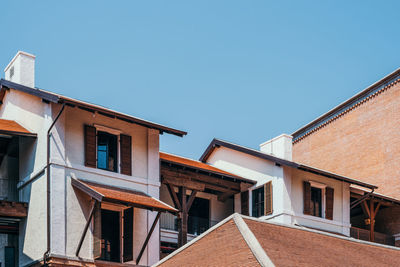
(113,234)
(102,148)
(107,151)
(258,202)
(316,201)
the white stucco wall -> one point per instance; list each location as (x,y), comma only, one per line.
(69,210)
(287,184)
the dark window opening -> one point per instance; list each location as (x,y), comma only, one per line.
(107,151)
(316,201)
(110,235)
(258,202)
(199,216)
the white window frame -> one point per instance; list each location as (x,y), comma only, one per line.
(115,132)
(323,196)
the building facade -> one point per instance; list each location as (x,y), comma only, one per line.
(89,177)
(360,137)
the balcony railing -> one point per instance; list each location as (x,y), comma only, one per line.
(364,234)
(196,225)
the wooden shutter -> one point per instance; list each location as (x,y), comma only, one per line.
(126,154)
(268,198)
(307,198)
(128,234)
(97,231)
(329,203)
(244,202)
(90,146)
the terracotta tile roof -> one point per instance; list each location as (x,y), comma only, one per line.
(224,246)
(121,196)
(279,245)
(13,128)
(166,157)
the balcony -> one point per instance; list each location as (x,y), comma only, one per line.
(196,225)
(364,234)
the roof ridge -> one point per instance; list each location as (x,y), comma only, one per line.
(252,242)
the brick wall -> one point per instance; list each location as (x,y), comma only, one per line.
(363,144)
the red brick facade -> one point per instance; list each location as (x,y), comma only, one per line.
(361,143)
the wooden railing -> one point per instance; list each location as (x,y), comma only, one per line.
(364,234)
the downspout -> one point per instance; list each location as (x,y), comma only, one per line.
(47,253)
(361,199)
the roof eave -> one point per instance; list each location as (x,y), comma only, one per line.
(54,98)
(348,101)
(218,143)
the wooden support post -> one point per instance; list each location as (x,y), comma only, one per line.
(85,229)
(148,237)
(372,220)
(183,217)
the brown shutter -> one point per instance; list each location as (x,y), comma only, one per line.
(126,154)
(128,234)
(97,231)
(90,146)
(329,203)
(244,200)
(307,198)
(268,198)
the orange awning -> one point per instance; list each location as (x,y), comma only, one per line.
(105,193)
(13,128)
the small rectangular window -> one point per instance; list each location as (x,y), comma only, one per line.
(258,202)
(107,146)
(316,201)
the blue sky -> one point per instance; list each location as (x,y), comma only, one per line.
(243,71)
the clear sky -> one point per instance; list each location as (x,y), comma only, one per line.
(243,71)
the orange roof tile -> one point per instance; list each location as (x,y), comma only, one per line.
(13,128)
(198,165)
(123,196)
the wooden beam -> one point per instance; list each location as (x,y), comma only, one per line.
(377,208)
(366,209)
(182,219)
(86,228)
(13,209)
(148,237)
(186,183)
(173,195)
(191,175)
(372,220)
(191,199)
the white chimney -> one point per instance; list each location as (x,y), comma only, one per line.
(21,69)
(280,146)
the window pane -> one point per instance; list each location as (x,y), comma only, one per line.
(102,156)
(258,202)
(107,150)
(316,201)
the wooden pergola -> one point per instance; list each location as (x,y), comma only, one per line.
(181,175)
(371,204)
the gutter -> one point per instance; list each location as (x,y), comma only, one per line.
(47,253)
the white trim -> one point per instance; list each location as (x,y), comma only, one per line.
(323,196)
(252,242)
(317,184)
(107,129)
